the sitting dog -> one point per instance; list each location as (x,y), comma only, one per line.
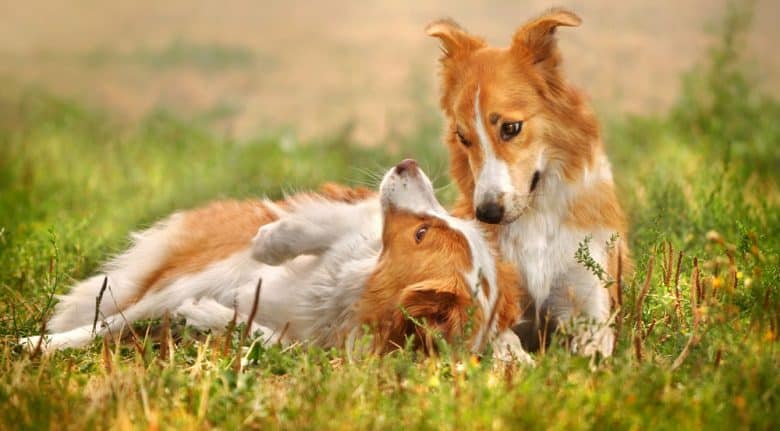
(330,264)
(527,156)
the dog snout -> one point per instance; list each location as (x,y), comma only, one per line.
(490,212)
(408,166)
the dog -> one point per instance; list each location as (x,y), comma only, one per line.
(330,264)
(527,157)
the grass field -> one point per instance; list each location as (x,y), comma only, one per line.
(698,340)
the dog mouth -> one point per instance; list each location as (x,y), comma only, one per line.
(508,210)
(511,218)
(523,205)
(535,181)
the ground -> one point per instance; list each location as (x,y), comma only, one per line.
(698,343)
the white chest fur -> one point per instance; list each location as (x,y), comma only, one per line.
(542,250)
(544,253)
(544,247)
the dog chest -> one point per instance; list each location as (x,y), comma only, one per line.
(543,250)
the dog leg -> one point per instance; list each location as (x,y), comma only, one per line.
(82,335)
(311,228)
(206,314)
(580,303)
(285,239)
(203,314)
(507,348)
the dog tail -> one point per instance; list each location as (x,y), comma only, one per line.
(124,277)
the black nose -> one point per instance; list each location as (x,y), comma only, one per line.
(490,212)
(406,165)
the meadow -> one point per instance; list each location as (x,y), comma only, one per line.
(699,327)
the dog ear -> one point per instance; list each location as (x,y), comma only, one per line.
(536,38)
(455,41)
(441,303)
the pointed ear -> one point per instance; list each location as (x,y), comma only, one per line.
(442,303)
(537,37)
(455,41)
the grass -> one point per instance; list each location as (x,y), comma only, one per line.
(208,57)
(698,341)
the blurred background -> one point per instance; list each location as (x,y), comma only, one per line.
(247,68)
(115,114)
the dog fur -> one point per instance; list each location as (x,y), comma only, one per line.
(527,157)
(330,264)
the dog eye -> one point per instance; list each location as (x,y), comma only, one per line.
(419,234)
(510,130)
(462,139)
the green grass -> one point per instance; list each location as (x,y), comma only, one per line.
(703,179)
(208,57)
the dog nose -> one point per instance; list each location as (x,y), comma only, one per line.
(490,212)
(406,165)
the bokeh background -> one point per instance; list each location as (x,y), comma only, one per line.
(115,114)
(254,67)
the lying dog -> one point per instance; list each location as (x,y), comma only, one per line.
(333,263)
(526,155)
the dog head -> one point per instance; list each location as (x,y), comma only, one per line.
(513,123)
(435,271)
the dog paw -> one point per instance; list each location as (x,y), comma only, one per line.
(43,344)
(31,343)
(205,314)
(591,341)
(507,348)
(274,242)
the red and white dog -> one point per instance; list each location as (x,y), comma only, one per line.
(526,155)
(330,263)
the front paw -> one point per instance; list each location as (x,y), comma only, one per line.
(29,344)
(43,344)
(205,314)
(592,340)
(273,244)
(507,348)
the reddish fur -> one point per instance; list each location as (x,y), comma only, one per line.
(338,192)
(523,83)
(515,88)
(208,235)
(216,231)
(427,280)
(432,288)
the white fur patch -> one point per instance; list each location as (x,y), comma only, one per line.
(543,247)
(125,273)
(311,226)
(507,348)
(483,264)
(411,193)
(494,181)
